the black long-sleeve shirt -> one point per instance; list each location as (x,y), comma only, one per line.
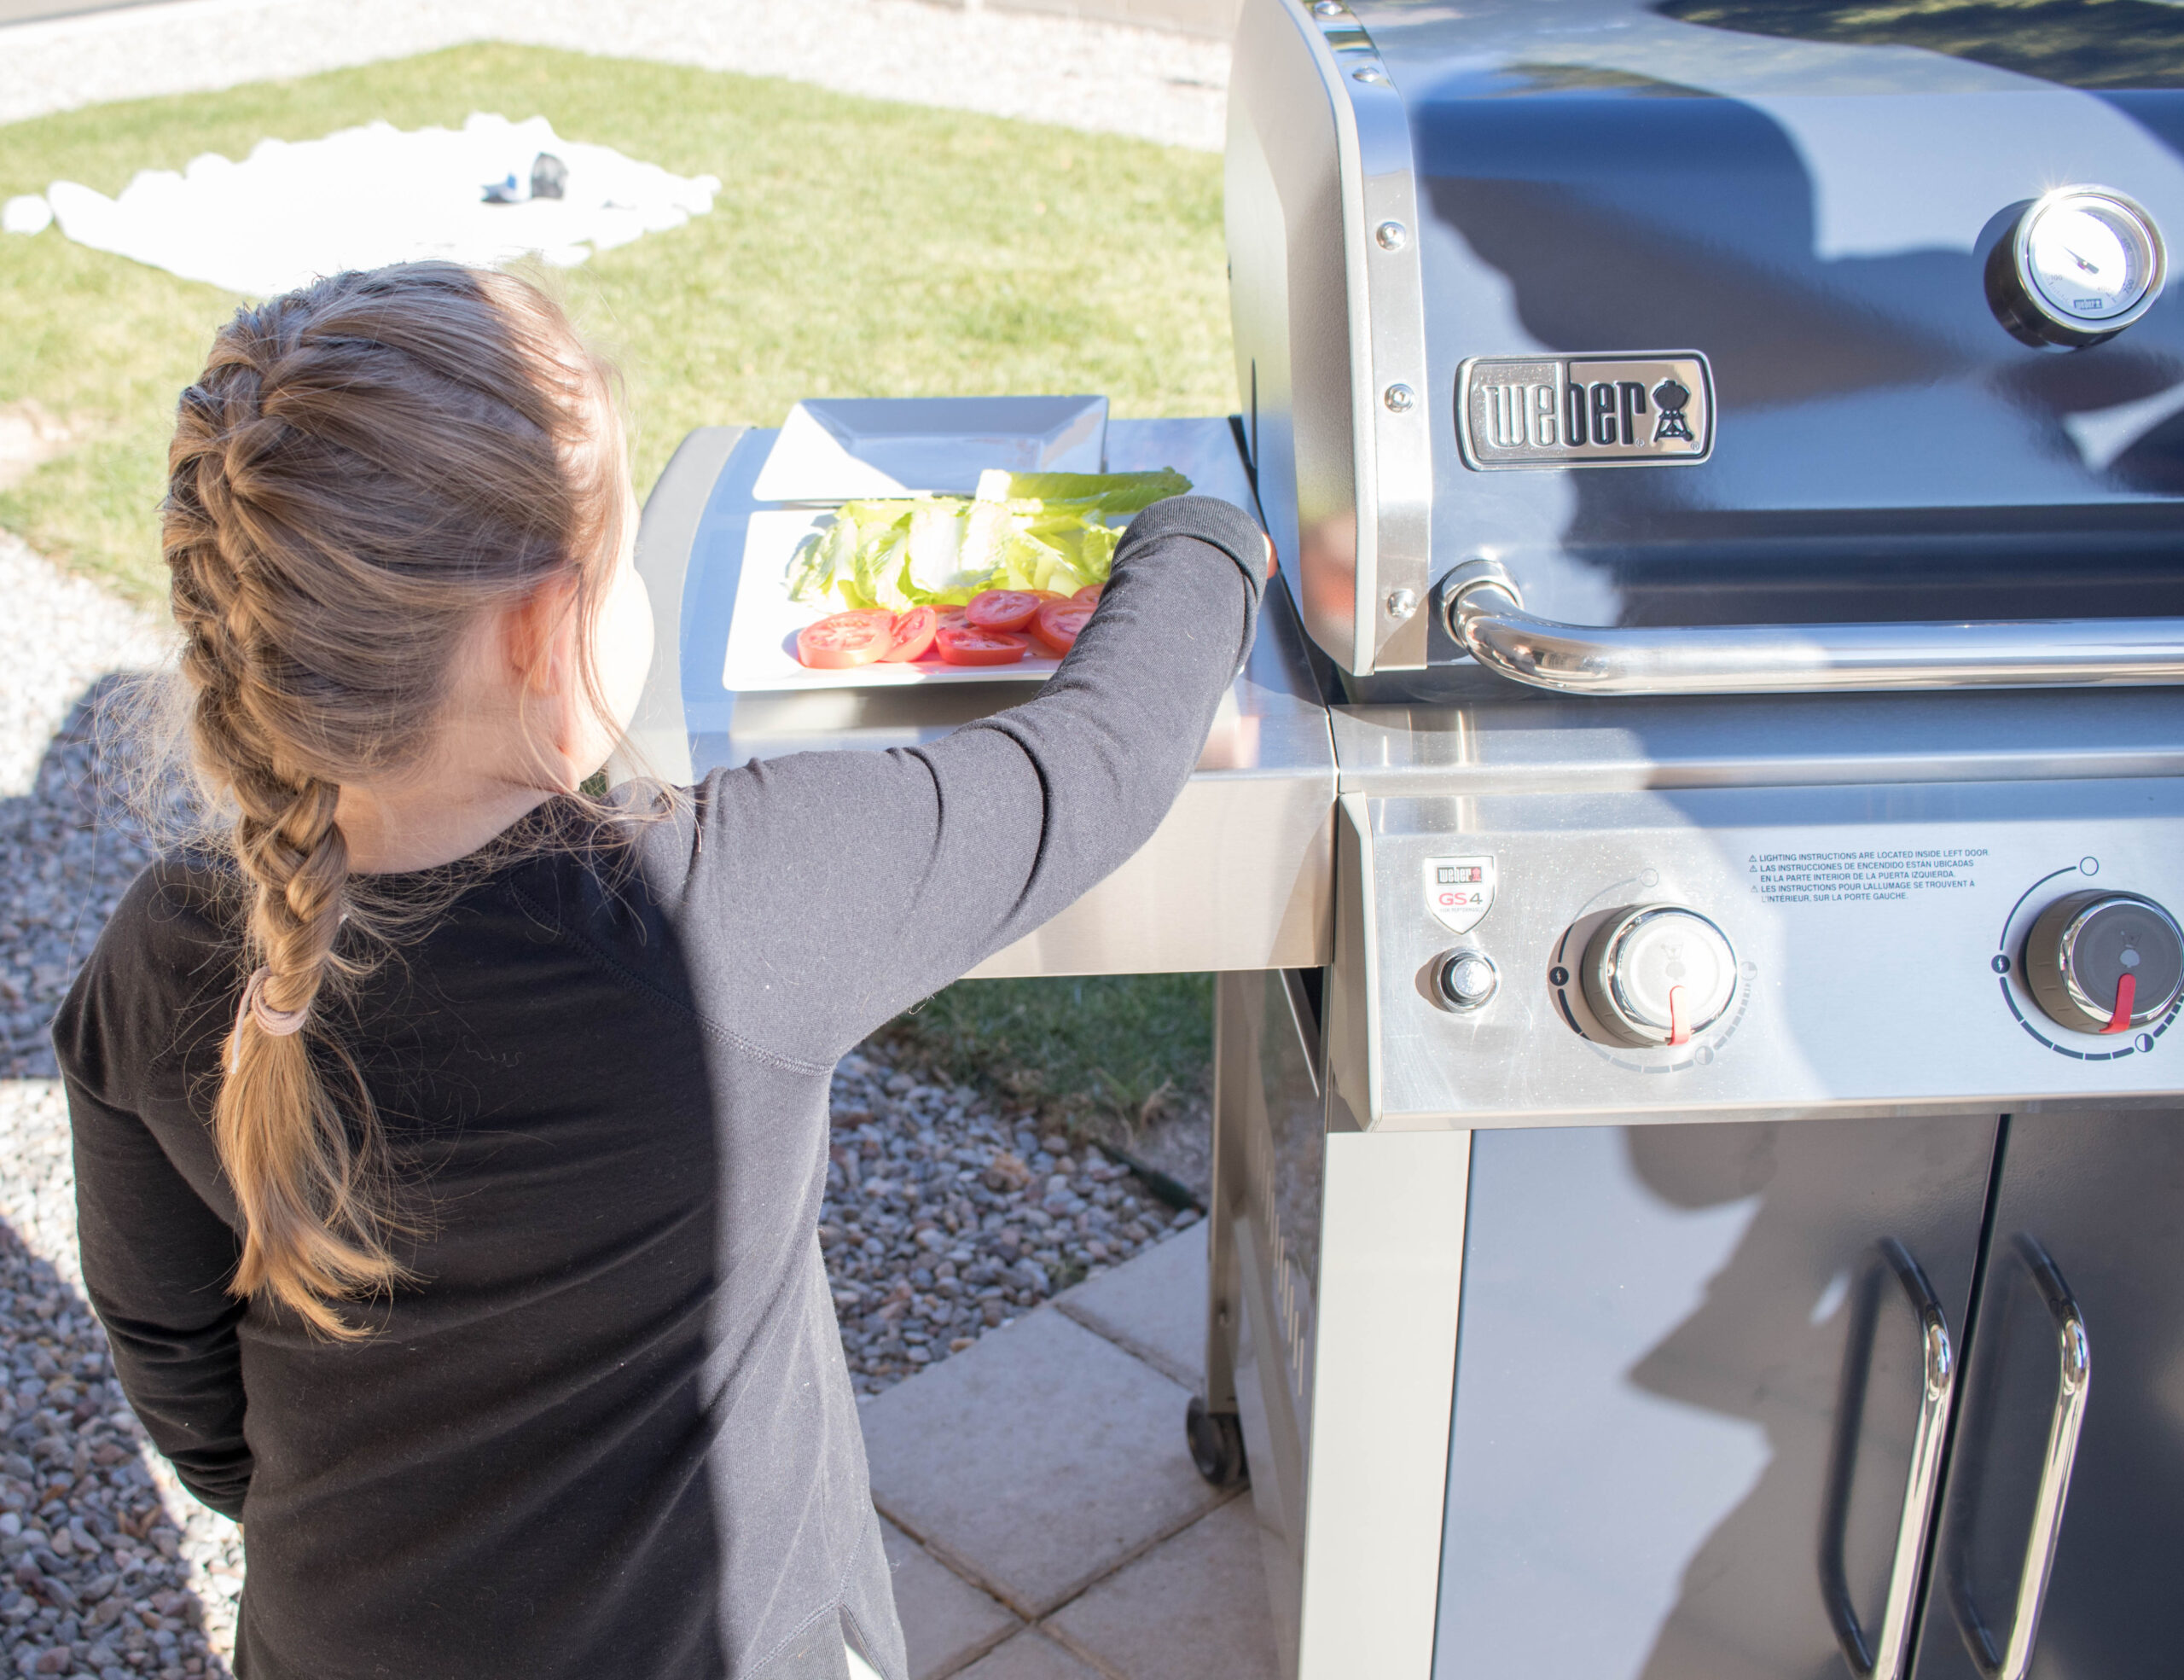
(608,1429)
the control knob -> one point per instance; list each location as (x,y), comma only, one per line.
(1658,974)
(2104,961)
(1465,979)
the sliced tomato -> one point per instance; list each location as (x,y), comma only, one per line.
(914,632)
(1089,594)
(1001,609)
(1058,623)
(969,644)
(844,640)
(945,618)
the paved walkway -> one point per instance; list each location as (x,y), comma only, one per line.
(1043,1515)
(1102,77)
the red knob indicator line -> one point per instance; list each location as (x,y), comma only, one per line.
(2126,994)
(1680,1031)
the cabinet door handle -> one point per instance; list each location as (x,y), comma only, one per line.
(1882,1659)
(2074,1377)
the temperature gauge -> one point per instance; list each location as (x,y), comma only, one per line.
(2080,264)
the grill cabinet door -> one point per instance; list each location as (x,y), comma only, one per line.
(1660,1326)
(2102,1198)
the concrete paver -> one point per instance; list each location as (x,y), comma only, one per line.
(1030,1657)
(1192,1609)
(1037,1461)
(1154,1306)
(946,1621)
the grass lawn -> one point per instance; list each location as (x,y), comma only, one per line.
(1104,1044)
(856,248)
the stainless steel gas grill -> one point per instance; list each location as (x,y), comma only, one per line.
(1695,861)
(1717,1214)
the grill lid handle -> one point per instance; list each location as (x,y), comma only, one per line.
(1486,616)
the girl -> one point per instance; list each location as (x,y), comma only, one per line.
(449,1146)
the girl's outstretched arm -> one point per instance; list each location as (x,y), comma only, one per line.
(818,895)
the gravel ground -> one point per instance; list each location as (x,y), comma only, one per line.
(948,1212)
(67,848)
(946,1216)
(110,1568)
(1103,77)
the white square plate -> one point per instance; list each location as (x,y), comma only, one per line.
(839,449)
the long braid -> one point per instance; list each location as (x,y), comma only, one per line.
(364,469)
(305,1184)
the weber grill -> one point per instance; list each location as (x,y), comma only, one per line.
(1714,1215)
(1693,863)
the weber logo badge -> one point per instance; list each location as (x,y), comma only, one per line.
(1459,891)
(1585,410)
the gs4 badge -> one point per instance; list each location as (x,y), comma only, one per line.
(1634,410)
(1459,891)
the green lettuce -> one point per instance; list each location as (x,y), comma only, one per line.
(1027,531)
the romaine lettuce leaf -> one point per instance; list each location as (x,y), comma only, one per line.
(1038,531)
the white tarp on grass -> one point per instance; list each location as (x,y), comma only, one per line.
(363,197)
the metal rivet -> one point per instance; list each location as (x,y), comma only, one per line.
(1368,75)
(1399,398)
(1401,603)
(1392,235)
(1329,9)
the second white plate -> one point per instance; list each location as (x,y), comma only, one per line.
(840,449)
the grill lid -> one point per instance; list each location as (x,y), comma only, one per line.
(1811,216)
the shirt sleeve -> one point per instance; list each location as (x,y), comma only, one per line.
(158,1256)
(157,1262)
(823,894)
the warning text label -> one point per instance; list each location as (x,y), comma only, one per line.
(1863,877)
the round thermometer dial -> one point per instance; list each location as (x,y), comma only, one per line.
(2082,264)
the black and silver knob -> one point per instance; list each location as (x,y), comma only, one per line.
(1465,979)
(2104,962)
(1658,975)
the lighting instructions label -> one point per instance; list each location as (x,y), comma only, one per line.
(1876,876)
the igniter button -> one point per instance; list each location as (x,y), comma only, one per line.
(1465,979)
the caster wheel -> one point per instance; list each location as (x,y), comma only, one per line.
(1216,1444)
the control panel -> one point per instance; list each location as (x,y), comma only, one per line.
(1771,950)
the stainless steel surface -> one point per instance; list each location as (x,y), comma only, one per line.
(1499,741)
(1811,658)
(2038,289)
(2086,948)
(1330,322)
(1884,1657)
(2073,1380)
(1340,1266)
(1236,877)
(1877,930)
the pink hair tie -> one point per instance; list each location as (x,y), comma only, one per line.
(275,1023)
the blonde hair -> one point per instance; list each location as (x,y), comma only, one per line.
(365,468)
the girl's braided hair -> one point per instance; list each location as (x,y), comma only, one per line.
(366,467)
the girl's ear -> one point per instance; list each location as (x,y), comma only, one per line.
(538,639)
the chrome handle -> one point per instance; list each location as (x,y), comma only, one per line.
(1487,618)
(2074,1377)
(1883,1659)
